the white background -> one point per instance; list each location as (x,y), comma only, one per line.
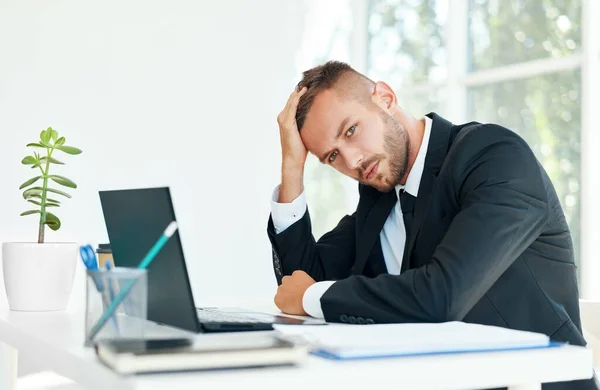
(156,93)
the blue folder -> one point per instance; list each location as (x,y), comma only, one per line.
(332,356)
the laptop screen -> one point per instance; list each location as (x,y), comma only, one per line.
(135,219)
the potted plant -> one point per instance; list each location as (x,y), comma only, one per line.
(38,276)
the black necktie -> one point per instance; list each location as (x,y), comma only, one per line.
(407,202)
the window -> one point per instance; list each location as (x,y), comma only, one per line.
(516,63)
(527,65)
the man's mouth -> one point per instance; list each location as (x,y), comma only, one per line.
(372,171)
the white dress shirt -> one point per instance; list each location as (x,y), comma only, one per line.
(392,236)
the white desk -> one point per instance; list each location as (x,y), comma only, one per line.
(55,342)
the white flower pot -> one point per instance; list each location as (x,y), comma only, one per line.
(38,277)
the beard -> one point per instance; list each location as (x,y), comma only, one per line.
(396,146)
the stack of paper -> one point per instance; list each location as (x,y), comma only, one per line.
(359,341)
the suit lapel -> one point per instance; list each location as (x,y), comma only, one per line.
(370,228)
(439,140)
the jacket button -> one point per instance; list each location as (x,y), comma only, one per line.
(369,321)
(360,320)
(352,319)
(344,318)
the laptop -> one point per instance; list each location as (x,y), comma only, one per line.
(134,219)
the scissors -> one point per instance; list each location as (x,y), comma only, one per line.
(88,256)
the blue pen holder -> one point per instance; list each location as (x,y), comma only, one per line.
(129,318)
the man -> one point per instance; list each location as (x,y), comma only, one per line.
(454,222)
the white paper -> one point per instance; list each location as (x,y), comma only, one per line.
(404,339)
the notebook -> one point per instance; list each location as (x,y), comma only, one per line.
(341,341)
(235,350)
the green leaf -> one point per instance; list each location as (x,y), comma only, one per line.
(63,181)
(48,204)
(36,166)
(58,192)
(36,192)
(52,160)
(45,136)
(60,141)
(35,145)
(69,149)
(52,221)
(28,212)
(53,134)
(31,192)
(48,200)
(30,182)
(29,160)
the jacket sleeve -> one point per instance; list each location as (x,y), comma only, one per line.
(328,259)
(502,202)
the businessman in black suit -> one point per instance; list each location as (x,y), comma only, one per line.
(454,222)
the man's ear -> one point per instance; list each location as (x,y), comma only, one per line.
(384,96)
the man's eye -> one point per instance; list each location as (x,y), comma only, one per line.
(332,156)
(351,131)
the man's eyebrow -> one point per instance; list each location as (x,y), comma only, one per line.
(339,134)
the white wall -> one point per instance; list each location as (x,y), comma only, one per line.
(181,93)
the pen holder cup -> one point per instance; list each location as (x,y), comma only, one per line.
(116,304)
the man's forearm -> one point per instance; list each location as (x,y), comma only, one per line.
(292,182)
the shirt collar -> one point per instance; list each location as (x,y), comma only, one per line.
(414,176)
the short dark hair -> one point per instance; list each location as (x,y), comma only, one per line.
(324,77)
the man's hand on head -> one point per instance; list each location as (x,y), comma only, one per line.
(291,291)
(293,151)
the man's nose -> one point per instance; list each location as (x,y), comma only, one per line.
(352,158)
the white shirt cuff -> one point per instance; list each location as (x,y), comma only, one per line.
(286,214)
(311,301)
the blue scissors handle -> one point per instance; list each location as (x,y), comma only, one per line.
(89,257)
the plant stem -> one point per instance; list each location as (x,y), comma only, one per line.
(41,231)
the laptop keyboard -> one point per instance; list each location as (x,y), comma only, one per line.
(213,316)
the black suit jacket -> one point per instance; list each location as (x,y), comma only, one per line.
(489,244)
